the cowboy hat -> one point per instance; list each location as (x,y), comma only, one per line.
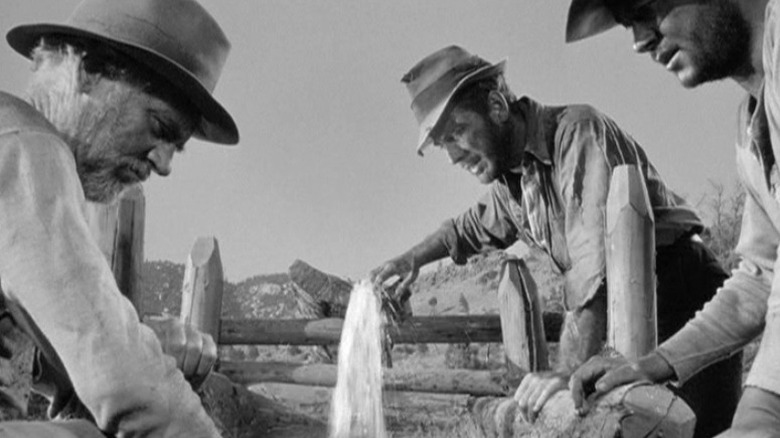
(433,82)
(588,18)
(177,39)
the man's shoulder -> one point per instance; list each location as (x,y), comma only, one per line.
(578,113)
(17,115)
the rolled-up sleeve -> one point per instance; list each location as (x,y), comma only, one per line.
(52,267)
(485,226)
(583,177)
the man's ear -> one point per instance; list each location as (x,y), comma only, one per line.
(498,107)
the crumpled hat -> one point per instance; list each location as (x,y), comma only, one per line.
(433,82)
(177,39)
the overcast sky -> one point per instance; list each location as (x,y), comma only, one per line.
(326,169)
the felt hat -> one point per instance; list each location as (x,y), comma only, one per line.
(176,39)
(588,18)
(433,82)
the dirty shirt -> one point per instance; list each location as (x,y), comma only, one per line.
(556,199)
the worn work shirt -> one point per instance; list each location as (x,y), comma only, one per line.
(556,199)
(748,304)
(61,291)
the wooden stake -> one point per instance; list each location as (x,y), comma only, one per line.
(202,288)
(521,319)
(119,230)
(630,260)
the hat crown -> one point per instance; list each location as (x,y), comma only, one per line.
(176,39)
(434,81)
(452,61)
(180,30)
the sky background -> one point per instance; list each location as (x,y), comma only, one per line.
(326,169)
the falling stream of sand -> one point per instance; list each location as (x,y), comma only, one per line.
(356,408)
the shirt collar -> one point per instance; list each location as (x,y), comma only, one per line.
(537,120)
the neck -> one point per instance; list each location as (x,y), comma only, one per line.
(753,76)
(517,135)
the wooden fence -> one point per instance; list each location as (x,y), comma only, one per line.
(521,326)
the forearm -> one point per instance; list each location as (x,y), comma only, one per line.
(582,335)
(730,320)
(429,250)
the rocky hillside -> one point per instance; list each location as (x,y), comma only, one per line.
(445,289)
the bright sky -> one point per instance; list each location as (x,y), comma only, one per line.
(326,169)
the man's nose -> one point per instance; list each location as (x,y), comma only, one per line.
(645,37)
(455,153)
(161,157)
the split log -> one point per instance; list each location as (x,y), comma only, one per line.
(630,260)
(639,410)
(415,330)
(521,319)
(202,288)
(435,381)
(118,228)
(240,413)
(328,291)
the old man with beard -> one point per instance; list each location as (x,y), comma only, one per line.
(549,170)
(114,93)
(701,42)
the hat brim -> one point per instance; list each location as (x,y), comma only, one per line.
(588,18)
(433,117)
(215,124)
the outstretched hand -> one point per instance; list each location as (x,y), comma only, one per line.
(195,352)
(535,390)
(404,268)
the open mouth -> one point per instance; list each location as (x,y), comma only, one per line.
(665,57)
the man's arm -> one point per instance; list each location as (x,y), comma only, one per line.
(587,146)
(52,268)
(487,225)
(407,265)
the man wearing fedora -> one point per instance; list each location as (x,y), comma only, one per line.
(701,42)
(114,92)
(549,170)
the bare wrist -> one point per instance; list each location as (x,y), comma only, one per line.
(655,367)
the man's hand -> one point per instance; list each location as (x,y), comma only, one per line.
(404,267)
(195,352)
(535,390)
(599,375)
(602,374)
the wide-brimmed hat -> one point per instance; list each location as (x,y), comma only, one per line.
(433,82)
(588,18)
(177,39)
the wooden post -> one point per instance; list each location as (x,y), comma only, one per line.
(201,298)
(119,230)
(630,261)
(521,319)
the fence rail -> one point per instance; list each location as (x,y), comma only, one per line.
(454,329)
